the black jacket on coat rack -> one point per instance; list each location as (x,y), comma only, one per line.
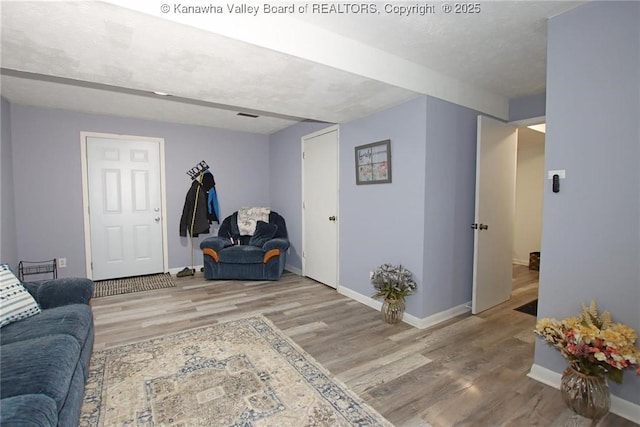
(201,220)
(196,215)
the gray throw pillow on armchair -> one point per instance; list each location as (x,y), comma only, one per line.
(264,232)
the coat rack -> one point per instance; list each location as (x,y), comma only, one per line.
(195,171)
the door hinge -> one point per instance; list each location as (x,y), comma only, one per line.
(476,226)
(303,155)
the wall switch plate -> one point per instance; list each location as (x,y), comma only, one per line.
(561,173)
(62,262)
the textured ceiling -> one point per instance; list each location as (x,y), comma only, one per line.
(101,57)
(502,48)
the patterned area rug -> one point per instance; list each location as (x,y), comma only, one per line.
(240,373)
(105,288)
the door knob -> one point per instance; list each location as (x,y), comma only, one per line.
(332,218)
(156,219)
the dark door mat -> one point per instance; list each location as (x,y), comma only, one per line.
(529,308)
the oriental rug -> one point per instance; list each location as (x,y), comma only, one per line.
(240,373)
(104,288)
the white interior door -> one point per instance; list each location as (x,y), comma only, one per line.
(494,213)
(125,207)
(320,206)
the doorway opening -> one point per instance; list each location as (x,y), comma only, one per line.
(508,218)
(530,181)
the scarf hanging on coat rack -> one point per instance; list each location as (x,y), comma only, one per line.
(193,220)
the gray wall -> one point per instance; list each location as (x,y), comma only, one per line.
(450,177)
(421,219)
(47,177)
(384,222)
(591,229)
(8,242)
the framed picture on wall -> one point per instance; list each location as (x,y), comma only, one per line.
(373,163)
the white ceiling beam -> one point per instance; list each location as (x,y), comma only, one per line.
(283,33)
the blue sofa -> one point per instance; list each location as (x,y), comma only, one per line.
(261,256)
(44,360)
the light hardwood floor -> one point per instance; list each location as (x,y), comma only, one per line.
(469,371)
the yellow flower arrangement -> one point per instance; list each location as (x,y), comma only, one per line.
(592,343)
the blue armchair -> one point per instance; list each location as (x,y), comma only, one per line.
(261,256)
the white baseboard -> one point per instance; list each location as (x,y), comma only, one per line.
(620,407)
(417,322)
(545,376)
(370,302)
(292,269)
(520,261)
(445,315)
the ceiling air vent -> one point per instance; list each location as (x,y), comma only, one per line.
(253,116)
